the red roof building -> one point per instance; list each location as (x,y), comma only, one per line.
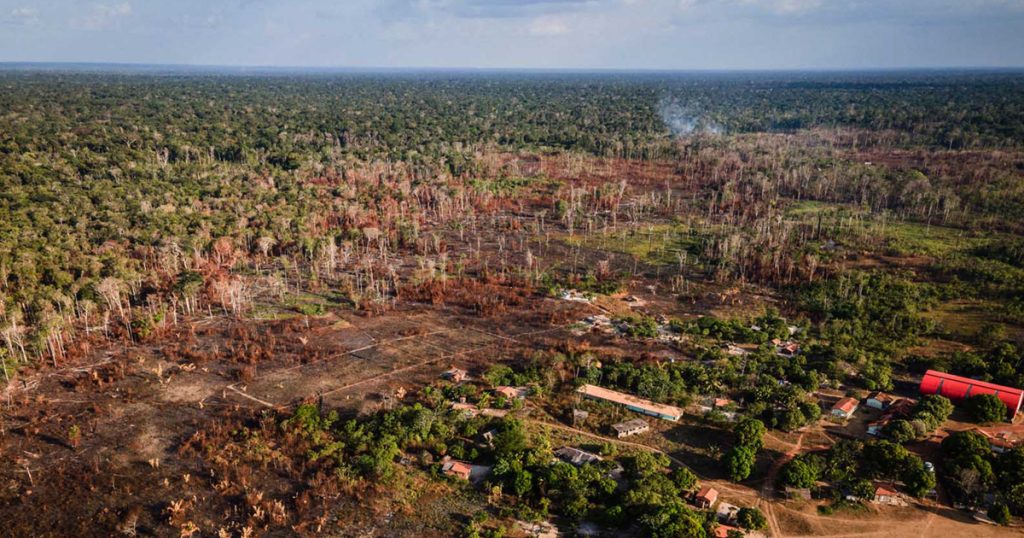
(958,389)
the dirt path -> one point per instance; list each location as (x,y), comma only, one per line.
(769,487)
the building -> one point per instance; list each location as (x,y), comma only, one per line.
(886,494)
(576,456)
(511,393)
(722,531)
(880,400)
(727,513)
(706,497)
(638,405)
(455,375)
(844,408)
(631,427)
(457,469)
(958,389)
(1000,440)
(900,408)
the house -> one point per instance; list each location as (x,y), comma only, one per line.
(488,437)
(727,513)
(631,427)
(844,408)
(706,497)
(899,408)
(511,393)
(735,351)
(719,403)
(958,389)
(887,494)
(786,349)
(576,456)
(638,405)
(880,400)
(1000,440)
(457,469)
(722,531)
(455,375)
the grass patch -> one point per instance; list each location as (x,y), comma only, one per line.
(655,244)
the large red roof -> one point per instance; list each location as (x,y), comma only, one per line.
(958,389)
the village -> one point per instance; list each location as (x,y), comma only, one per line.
(847,413)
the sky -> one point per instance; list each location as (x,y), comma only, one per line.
(578,34)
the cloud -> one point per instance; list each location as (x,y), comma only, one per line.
(548,26)
(483,9)
(102,15)
(25,16)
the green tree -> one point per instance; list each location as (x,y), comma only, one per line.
(750,433)
(986,408)
(752,519)
(801,472)
(739,462)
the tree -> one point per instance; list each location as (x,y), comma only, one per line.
(510,441)
(684,479)
(900,431)
(802,471)
(918,480)
(673,520)
(739,462)
(986,408)
(883,459)
(752,519)
(999,513)
(750,433)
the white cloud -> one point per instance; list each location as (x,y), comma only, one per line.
(25,15)
(102,15)
(548,26)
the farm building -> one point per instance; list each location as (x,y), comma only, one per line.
(639,405)
(958,389)
(844,408)
(630,427)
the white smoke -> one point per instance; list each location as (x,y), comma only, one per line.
(684,120)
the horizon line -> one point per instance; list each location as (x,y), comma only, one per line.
(142,66)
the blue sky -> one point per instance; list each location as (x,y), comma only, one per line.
(630,34)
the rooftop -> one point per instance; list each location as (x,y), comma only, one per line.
(628,399)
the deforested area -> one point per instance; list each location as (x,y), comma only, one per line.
(502,303)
